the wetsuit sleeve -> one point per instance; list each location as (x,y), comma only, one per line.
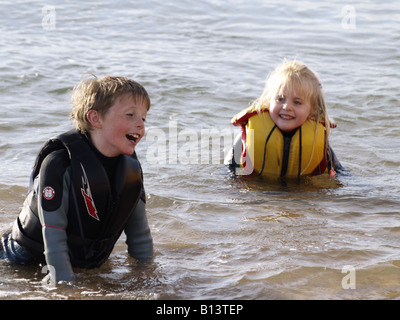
(237,151)
(235,158)
(337,166)
(138,235)
(53,201)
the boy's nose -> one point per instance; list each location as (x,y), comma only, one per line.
(140,123)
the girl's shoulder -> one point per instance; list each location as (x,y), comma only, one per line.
(242,117)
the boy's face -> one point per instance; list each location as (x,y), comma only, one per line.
(289,111)
(122,127)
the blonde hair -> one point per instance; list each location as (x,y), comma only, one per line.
(294,75)
(100,95)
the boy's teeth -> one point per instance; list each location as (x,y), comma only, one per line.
(132,136)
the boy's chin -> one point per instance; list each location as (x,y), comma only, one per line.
(129,150)
(129,153)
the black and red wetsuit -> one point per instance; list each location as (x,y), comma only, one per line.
(78,205)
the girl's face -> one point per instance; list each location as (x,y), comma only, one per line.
(289,111)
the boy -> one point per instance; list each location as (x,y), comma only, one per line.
(86,185)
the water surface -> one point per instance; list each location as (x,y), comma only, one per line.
(215,236)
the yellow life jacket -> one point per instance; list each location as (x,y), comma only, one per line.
(272,153)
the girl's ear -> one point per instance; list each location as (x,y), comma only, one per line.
(94,118)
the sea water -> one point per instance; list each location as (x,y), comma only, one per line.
(217,236)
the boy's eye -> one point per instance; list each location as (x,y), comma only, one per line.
(130,115)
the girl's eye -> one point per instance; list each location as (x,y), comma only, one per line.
(280,99)
(298,102)
(144,119)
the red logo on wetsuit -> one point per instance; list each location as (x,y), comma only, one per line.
(48,193)
(87,196)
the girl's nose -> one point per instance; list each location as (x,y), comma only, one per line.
(286,105)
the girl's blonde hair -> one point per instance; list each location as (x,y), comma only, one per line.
(100,95)
(294,75)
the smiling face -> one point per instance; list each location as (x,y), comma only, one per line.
(121,128)
(289,110)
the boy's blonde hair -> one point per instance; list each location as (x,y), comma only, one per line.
(294,75)
(100,95)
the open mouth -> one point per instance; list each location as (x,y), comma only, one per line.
(133,137)
(286,117)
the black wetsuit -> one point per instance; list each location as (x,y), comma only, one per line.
(79,203)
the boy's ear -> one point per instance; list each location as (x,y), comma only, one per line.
(94,118)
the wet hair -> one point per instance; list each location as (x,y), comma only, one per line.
(294,75)
(100,95)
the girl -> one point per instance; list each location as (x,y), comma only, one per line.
(285,131)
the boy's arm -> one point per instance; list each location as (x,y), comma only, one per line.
(53,202)
(138,235)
